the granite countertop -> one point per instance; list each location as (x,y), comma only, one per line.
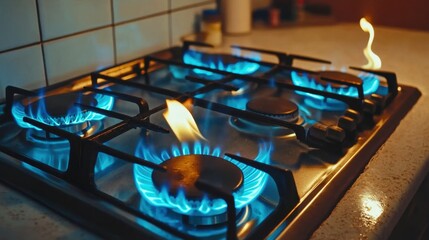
(373,205)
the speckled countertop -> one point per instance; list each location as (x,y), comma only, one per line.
(373,205)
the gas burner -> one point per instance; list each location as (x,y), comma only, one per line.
(60,108)
(337,75)
(175,191)
(61,111)
(224,62)
(199,226)
(276,107)
(81,129)
(184,171)
(370,84)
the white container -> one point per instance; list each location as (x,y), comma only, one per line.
(236,16)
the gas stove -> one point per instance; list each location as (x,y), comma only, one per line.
(273,147)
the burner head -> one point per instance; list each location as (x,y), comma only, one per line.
(62,105)
(347,77)
(183,171)
(82,129)
(316,81)
(60,110)
(223,62)
(275,107)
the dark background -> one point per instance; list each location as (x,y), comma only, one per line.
(412,14)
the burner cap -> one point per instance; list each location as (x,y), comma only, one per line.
(337,75)
(275,107)
(62,105)
(183,171)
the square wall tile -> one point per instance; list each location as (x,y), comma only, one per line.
(18,23)
(183,3)
(77,55)
(62,17)
(22,68)
(187,21)
(130,9)
(141,37)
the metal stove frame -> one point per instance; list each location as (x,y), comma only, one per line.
(75,190)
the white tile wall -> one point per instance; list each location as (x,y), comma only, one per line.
(131,9)
(22,68)
(187,21)
(80,36)
(139,38)
(18,23)
(62,17)
(79,54)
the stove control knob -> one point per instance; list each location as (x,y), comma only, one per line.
(347,123)
(369,107)
(355,115)
(324,137)
(335,133)
(380,102)
(318,131)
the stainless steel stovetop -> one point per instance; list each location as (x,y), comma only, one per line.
(282,143)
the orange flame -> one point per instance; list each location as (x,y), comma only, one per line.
(181,122)
(374,61)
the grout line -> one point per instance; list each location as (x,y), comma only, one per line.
(171,11)
(107,26)
(77,33)
(170,25)
(113,33)
(113,24)
(42,45)
(20,47)
(164,12)
(141,18)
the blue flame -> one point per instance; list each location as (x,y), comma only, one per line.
(57,156)
(254,180)
(54,156)
(239,101)
(103,162)
(74,116)
(216,62)
(370,85)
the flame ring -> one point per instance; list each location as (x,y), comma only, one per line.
(370,85)
(18,111)
(239,67)
(254,180)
